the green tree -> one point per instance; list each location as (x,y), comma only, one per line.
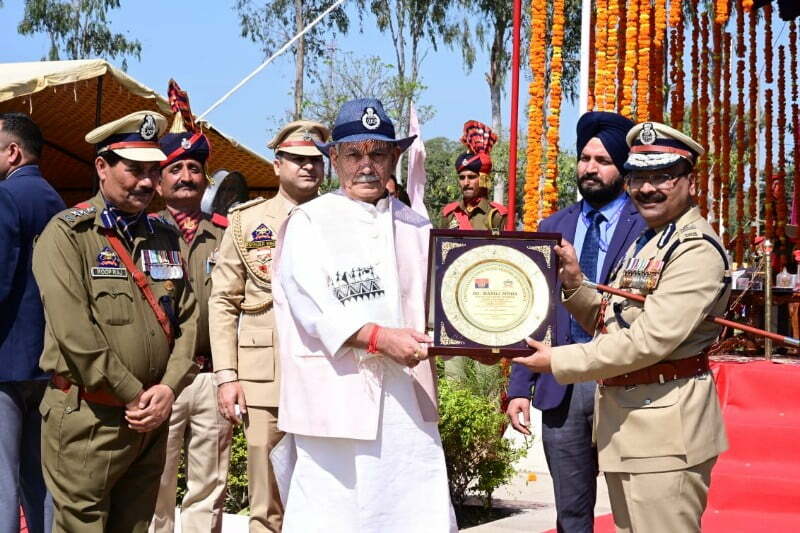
(411,23)
(78,29)
(441,187)
(272,23)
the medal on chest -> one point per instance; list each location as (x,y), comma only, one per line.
(261,237)
(641,273)
(108,265)
(162,264)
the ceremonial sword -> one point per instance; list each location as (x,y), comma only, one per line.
(783,339)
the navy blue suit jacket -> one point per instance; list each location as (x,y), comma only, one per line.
(548,393)
(27,203)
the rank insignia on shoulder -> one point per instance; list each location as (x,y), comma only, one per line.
(688,233)
(73,215)
(249,203)
(262,237)
(162,264)
(108,265)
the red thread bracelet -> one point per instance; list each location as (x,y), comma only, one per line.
(372,347)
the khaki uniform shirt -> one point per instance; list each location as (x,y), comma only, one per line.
(101,333)
(482,216)
(656,427)
(200,257)
(241,313)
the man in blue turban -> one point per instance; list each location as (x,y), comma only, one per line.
(601,226)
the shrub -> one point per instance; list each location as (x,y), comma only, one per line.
(478,458)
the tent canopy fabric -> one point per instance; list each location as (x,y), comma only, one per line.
(67,99)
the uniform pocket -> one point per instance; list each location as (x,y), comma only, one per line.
(256,354)
(114,302)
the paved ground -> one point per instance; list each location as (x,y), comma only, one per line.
(531,491)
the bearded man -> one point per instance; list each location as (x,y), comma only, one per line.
(601,227)
(358,392)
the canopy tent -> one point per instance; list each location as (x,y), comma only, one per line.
(67,99)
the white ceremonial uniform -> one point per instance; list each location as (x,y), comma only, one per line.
(395,479)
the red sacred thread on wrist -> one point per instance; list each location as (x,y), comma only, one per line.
(372,347)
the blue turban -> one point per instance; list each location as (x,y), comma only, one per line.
(611,129)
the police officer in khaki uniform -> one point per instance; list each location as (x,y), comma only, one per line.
(474,167)
(243,339)
(121,327)
(658,424)
(196,424)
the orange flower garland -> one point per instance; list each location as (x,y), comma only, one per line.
(621,54)
(643,74)
(780,187)
(612,55)
(536,90)
(631,42)
(702,163)
(716,128)
(676,54)
(740,67)
(768,43)
(747,5)
(721,12)
(752,130)
(795,112)
(550,189)
(658,31)
(695,64)
(601,75)
(725,164)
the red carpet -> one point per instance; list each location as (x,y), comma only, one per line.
(755,486)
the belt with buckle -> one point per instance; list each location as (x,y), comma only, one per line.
(99,396)
(661,372)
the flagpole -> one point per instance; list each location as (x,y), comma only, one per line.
(512,155)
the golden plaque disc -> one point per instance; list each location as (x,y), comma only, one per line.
(495,295)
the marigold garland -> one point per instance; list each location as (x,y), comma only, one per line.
(716,127)
(631,42)
(702,137)
(695,73)
(677,75)
(643,65)
(780,187)
(536,90)
(550,189)
(621,53)
(725,165)
(752,130)
(768,43)
(601,75)
(612,55)
(747,5)
(795,115)
(740,131)
(721,12)
(658,30)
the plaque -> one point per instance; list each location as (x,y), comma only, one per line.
(487,292)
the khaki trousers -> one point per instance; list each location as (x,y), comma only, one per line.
(660,501)
(103,476)
(197,426)
(261,431)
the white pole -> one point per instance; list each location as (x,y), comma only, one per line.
(261,67)
(586,32)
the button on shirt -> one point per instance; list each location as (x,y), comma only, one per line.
(611,212)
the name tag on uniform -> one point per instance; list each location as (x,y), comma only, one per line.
(108,265)
(162,264)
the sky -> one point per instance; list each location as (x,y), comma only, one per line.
(199,44)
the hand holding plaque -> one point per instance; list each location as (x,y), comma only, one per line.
(487,292)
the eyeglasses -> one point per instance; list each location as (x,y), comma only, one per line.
(662,182)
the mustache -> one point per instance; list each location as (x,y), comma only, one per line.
(654,197)
(366,178)
(184,185)
(144,191)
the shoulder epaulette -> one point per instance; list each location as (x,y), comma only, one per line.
(245,205)
(219,220)
(689,232)
(449,208)
(503,210)
(77,214)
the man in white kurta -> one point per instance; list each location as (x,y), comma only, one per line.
(358,393)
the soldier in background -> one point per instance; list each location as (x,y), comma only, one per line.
(243,336)
(120,337)
(196,424)
(474,167)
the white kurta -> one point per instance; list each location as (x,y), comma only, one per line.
(398,481)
